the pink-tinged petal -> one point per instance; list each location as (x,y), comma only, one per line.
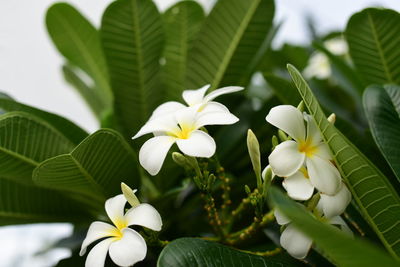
(323,175)
(115,208)
(144,215)
(298,186)
(130,249)
(166,109)
(295,242)
(193,97)
(335,205)
(199,144)
(97,256)
(97,230)
(153,152)
(286,159)
(289,119)
(222,91)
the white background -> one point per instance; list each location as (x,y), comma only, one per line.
(30,72)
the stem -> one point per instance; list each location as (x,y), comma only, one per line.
(226,199)
(213,216)
(267,253)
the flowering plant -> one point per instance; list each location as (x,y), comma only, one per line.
(246,170)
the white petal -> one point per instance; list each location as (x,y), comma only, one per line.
(115,208)
(323,151)
(286,159)
(298,186)
(144,215)
(166,123)
(323,175)
(166,108)
(97,256)
(222,91)
(193,97)
(336,204)
(337,220)
(289,119)
(313,133)
(199,144)
(215,118)
(295,242)
(96,231)
(281,219)
(153,152)
(130,249)
(213,107)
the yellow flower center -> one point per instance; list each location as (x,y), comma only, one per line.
(307,147)
(184,132)
(117,232)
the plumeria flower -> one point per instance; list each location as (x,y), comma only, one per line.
(125,246)
(181,127)
(306,150)
(295,242)
(335,205)
(197,98)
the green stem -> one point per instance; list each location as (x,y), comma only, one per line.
(267,253)
(213,216)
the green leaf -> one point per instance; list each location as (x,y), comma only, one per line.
(132,38)
(94,101)
(79,42)
(95,168)
(283,89)
(28,204)
(74,133)
(184,252)
(373,36)
(181,22)
(377,199)
(338,246)
(25,141)
(229,42)
(384,121)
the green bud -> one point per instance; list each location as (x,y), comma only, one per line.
(247,189)
(282,136)
(312,203)
(211,180)
(332,118)
(301,106)
(267,182)
(130,195)
(275,142)
(254,151)
(180,159)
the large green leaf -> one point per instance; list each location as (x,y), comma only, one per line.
(377,199)
(79,42)
(181,22)
(384,121)
(95,168)
(283,89)
(132,38)
(374,38)
(341,248)
(196,252)
(25,141)
(74,133)
(27,204)
(228,43)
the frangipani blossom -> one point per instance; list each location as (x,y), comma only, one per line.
(197,98)
(181,127)
(125,246)
(307,149)
(295,242)
(335,205)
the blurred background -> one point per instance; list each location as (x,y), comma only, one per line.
(30,71)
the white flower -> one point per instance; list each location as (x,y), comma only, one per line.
(295,242)
(318,66)
(335,205)
(195,98)
(125,245)
(337,46)
(181,127)
(307,148)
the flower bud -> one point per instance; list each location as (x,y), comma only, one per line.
(180,159)
(130,195)
(332,118)
(254,151)
(275,142)
(282,136)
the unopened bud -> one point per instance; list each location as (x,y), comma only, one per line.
(254,151)
(332,118)
(282,136)
(180,159)
(247,189)
(130,196)
(275,142)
